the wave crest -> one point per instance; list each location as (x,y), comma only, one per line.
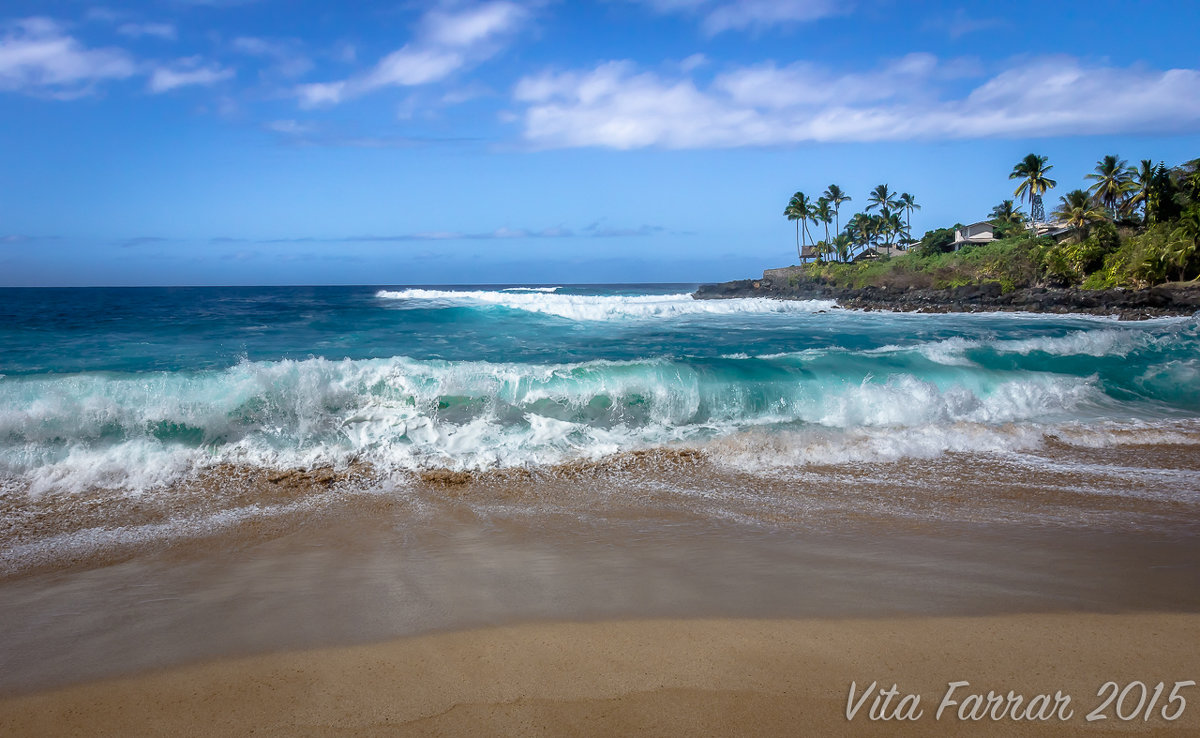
(603,307)
(146,430)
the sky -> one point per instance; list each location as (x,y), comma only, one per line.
(255,142)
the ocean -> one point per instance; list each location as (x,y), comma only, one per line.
(191,472)
(135,389)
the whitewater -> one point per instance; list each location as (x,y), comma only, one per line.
(133,391)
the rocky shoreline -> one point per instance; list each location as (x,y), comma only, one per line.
(790,284)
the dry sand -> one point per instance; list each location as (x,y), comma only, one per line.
(651,677)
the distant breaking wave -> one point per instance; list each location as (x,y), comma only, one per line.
(605,307)
(531,289)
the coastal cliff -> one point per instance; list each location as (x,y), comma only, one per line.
(791,283)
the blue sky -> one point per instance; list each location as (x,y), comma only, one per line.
(277,142)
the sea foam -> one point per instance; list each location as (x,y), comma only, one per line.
(140,431)
(603,307)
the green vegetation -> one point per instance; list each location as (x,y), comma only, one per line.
(1034,183)
(1132,227)
(865,232)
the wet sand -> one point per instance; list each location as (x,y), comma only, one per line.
(659,592)
(664,677)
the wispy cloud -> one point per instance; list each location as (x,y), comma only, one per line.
(449,38)
(215,3)
(164,31)
(594,230)
(960,23)
(717,16)
(284,55)
(616,105)
(187,72)
(38,57)
(600,229)
(103,14)
(142,241)
(290,127)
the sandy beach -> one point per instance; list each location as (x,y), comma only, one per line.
(641,616)
(720,542)
(649,677)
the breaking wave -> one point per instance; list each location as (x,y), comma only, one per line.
(145,430)
(602,307)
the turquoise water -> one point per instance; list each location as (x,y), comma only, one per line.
(137,388)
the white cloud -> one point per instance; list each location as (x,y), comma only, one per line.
(165,31)
(597,229)
(185,73)
(692,63)
(258,46)
(289,127)
(288,61)
(617,106)
(473,26)
(412,66)
(959,23)
(765,13)
(102,14)
(735,15)
(449,38)
(38,57)
(317,94)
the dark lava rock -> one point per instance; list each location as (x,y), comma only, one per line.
(788,284)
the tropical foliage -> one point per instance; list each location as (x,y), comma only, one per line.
(1031,171)
(1133,226)
(1113,185)
(1078,210)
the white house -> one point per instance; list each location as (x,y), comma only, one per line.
(985,232)
(982,232)
(1051,228)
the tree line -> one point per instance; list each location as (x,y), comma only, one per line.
(879,223)
(1125,226)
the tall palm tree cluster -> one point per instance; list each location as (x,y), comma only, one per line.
(880,223)
(1118,191)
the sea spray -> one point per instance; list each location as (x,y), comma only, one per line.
(604,307)
(137,430)
(165,384)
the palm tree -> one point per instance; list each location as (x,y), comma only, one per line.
(1078,210)
(854,230)
(1143,177)
(1034,183)
(1185,241)
(874,227)
(909,204)
(821,213)
(841,246)
(836,197)
(894,226)
(1113,179)
(881,197)
(797,210)
(1007,213)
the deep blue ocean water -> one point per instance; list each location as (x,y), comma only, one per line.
(137,387)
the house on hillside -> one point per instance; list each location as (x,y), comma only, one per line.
(982,232)
(985,232)
(1054,228)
